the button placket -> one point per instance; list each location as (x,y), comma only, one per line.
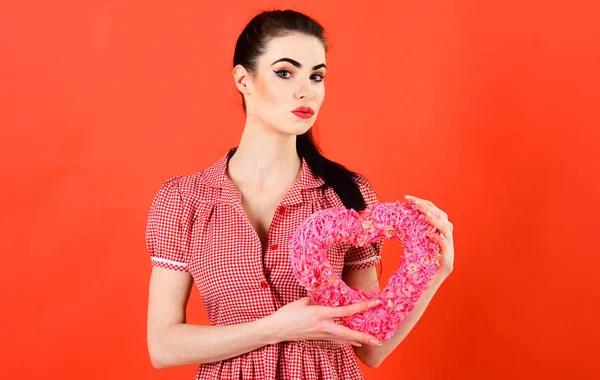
(273,246)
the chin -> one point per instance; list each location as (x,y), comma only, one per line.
(294,128)
(299,129)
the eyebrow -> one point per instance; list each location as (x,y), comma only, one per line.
(297,64)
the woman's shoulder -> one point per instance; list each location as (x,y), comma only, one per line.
(360,180)
(332,199)
(190,188)
(202,186)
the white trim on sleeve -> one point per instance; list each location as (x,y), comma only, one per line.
(166,261)
(373,258)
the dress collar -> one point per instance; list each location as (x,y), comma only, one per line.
(216,176)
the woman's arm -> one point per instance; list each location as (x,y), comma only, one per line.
(172,342)
(373,356)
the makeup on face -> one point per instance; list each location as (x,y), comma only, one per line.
(302,112)
(298,64)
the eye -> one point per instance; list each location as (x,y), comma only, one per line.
(319,77)
(282,74)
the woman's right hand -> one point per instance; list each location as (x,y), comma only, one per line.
(303,320)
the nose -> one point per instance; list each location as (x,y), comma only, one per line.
(304,90)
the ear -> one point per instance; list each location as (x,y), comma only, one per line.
(241,78)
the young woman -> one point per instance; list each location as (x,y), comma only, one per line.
(225,230)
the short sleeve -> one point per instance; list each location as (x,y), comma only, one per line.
(368,255)
(167,228)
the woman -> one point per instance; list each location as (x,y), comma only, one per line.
(225,230)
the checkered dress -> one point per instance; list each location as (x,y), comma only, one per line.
(197,224)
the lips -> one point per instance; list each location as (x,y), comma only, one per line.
(304,112)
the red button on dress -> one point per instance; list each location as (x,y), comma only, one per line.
(264,284)
(274,247)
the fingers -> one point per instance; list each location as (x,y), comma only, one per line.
(443,226)
(350,335)
(333,338)
(443,241)
(340,332)
(337,340)
(425,205)
(437,217)
(346,311)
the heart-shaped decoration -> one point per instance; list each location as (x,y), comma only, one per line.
(396,220)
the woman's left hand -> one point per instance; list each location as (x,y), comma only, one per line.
(439,219)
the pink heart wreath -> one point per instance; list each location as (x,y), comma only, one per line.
(397,220)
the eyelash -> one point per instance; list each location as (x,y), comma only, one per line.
(286,71)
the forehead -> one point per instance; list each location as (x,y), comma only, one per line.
(302,48)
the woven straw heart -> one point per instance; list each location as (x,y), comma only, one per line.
(399,220)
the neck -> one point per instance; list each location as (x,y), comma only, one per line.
(264,158)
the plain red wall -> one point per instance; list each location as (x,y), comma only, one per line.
(489,109)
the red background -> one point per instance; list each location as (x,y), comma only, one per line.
(489,109)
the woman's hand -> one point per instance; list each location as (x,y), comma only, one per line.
(439,219)
(303,320)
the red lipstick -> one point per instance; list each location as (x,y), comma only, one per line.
(304,112)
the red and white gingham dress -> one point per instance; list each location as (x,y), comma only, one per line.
(197,224)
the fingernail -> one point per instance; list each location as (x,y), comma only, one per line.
(357,344)
(373,341)
(374,303)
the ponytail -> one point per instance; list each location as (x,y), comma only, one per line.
(336,176)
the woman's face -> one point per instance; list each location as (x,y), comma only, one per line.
(289,75)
